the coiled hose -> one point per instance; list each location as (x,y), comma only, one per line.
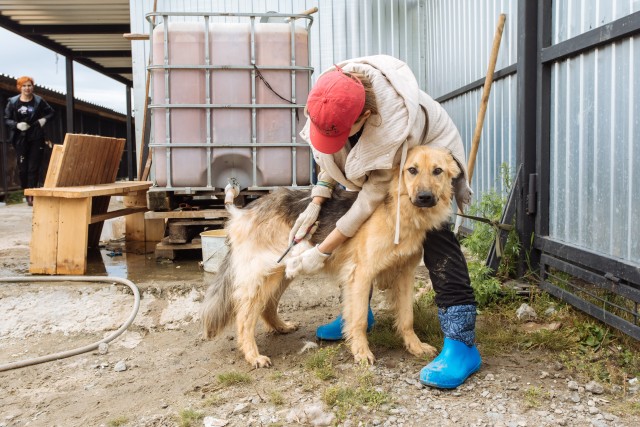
(87,348)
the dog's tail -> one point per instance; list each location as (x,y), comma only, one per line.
(218,308)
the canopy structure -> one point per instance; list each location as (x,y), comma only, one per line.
(88,32)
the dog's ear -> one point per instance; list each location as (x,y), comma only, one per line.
(453,169)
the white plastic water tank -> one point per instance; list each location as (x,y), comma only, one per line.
(229,45)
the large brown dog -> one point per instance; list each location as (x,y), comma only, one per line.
(250,282)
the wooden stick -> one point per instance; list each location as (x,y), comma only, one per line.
(144,174)
(135,36)
(485,96)
(306,12)
(310,11)
(488,81)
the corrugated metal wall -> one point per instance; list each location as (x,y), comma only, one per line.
(459,39)
(445,42)
(595,114)
(342,29)
(574,17)
(595,135)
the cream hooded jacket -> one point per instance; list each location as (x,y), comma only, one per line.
(405,114)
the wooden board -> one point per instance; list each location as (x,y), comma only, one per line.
(134,227)
(204,213)
(154,229)
(44,236)
(72,235)
(54,166)
(112,189)
(88,159)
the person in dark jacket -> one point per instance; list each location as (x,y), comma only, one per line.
(26,115)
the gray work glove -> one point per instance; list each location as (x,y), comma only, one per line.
(462,191)
(23,126)
(304,222)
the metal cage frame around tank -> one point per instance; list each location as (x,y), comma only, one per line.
(208,106)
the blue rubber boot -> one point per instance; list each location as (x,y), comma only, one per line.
(332,331)
(459,357)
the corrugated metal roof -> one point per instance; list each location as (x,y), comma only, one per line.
(90,32)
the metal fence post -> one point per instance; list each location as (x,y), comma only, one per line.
(526,124)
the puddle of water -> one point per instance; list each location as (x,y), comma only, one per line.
(136,261)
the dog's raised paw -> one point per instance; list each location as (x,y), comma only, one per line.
(262,362)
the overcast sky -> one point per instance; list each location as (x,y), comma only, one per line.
(20,57)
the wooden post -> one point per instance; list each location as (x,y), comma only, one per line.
(486,90)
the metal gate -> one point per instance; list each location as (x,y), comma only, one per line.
(580,157)
(564,112)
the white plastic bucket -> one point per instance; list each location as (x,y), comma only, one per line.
(214,249)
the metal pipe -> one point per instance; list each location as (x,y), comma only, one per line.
(167,99)
(254,138)
(294,153)
(207,90)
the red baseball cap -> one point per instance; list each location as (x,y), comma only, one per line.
(334,104)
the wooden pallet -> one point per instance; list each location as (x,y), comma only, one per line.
(70,210)
(203,218)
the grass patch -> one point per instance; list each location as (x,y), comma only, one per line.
(588,348)
(425,324)
(190,418)
(601,353)
(383,334)
(321,362)
(276,375)
(215,400)
(233,378)
(346,398)
(276,398)
(14,197)
(534,397)
(623,409)
(117,422)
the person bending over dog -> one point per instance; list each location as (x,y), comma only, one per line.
(362,116)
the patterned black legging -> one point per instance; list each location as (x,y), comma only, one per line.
(29,155)
(447,269)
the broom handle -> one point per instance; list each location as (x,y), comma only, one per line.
(488,81)
(310,11)
(485,96)
(306,12)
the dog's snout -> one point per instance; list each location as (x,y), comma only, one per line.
(425,199)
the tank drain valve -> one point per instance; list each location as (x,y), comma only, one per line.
(231,191)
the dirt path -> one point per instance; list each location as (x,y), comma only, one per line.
(171,370)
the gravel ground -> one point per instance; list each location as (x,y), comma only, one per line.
(160,369)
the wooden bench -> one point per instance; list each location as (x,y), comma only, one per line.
(69,211)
